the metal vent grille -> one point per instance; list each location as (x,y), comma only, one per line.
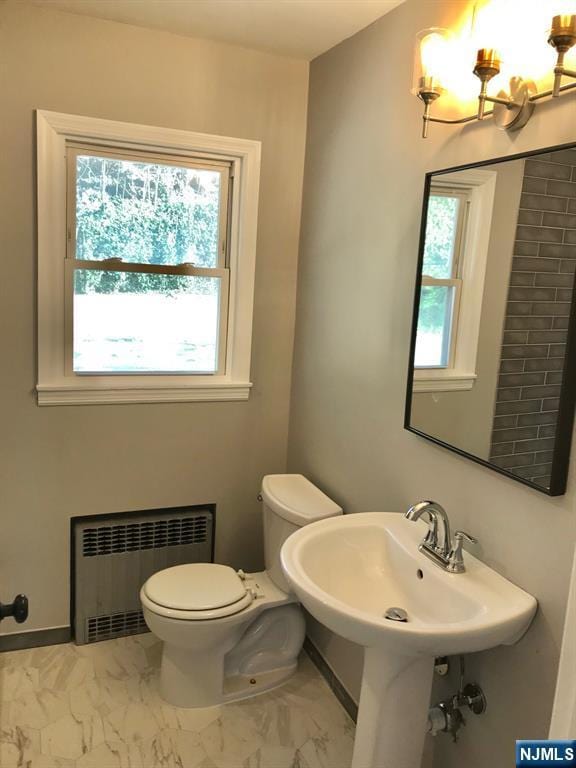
(113,559)
(131,537)
(115,625)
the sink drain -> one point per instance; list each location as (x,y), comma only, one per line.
(396,614)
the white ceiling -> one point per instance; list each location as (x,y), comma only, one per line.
(298,28)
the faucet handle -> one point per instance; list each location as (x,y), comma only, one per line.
(455,556)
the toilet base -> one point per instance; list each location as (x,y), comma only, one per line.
(187,684)
(187,680)
(242,687)
(206,663)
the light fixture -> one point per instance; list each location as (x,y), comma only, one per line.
(511,110)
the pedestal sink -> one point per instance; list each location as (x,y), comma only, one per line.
(348,571)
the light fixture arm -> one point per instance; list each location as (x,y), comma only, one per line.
(560,71)
(425,119)
(428,98)
(483,98)
(508,103)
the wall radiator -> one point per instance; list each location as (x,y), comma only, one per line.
(112,557)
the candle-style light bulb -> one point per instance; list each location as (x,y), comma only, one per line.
(432,49)
(563,7)
(430,61)
(431,57)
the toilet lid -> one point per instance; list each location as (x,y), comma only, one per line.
(195,587)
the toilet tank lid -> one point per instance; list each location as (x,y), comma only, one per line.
(296,499)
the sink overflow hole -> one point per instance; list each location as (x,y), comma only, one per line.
(419,573)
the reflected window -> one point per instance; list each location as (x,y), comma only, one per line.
(441,277)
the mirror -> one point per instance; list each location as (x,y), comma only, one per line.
(492,372)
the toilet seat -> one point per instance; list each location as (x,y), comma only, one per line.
(196,592)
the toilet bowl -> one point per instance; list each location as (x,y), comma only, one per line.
(228,635)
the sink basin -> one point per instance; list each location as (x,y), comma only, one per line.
(348,571)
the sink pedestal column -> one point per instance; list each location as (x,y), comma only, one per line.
(393,710)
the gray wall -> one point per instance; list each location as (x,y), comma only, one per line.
(64,461)
(537,312)
(464,419)
(363,192)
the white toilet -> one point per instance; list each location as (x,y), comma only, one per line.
(228,635)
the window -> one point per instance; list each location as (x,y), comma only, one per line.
(146,262)
(453,272)
(441,277)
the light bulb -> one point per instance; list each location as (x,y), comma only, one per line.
(489,26)
(432,54)
(513,30)
(562,8)
(431,61)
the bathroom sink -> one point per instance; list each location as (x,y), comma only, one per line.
(348,571)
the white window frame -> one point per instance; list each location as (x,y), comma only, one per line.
(57,383)
(461,372)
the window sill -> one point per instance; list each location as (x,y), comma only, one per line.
(75,394)
(442,381)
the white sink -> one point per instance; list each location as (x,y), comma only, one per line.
(347,571)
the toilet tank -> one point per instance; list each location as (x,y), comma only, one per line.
(288,503)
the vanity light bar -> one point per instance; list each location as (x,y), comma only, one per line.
(512,110)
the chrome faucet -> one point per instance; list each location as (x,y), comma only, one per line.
(438,537)
(437,544)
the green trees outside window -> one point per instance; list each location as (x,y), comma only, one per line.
(145,213)
(437,300)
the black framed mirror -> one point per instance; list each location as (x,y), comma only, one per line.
(492,372)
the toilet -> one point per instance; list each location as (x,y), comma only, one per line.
(228,634)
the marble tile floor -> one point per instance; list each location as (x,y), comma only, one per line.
(97,706)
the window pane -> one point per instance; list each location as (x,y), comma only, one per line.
(132,323)
(441,228)
(434,326)
(146,212)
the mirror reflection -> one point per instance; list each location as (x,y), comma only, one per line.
(493,308)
